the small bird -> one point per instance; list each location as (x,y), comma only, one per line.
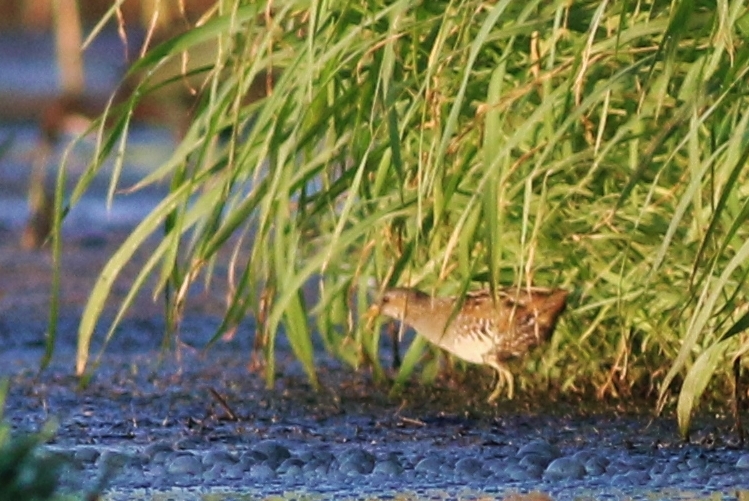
(483,329)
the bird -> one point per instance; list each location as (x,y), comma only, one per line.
(483,327)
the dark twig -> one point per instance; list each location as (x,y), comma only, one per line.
(737,399)
(224,404)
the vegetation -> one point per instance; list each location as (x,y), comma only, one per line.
(25,471)
(598,146)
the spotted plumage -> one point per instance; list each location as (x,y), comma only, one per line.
(485,328)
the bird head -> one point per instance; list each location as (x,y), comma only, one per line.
(396,303)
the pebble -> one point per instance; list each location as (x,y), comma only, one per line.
(517,472)
(565,468)
(468,466)
(357,456)
(356,467)
(185,465)
(696,462)
(451,465)
(292,471)
(535,460)
(262,471)
(115,459)
(290,463)
(331,469)
(235,471)
(218,457)
(540,448)
(594,467)
(743,462)
(155,448)
(316,467)
(388,467)
(274,452)
(188,443)
(86,454)
(430,465)
(248,458)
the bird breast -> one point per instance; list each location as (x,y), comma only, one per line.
(470,339)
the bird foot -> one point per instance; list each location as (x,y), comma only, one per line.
(503,376)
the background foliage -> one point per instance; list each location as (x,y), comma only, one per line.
(598,146)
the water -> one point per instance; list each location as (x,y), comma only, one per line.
(133,402)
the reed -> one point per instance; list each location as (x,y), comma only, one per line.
(595,146)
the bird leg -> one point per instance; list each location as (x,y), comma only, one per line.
(503,376)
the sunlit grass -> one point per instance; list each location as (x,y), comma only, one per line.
(594,146)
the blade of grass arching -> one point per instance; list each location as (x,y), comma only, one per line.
(146,271)
(677,29)
(695,382)
(320,203)
(478,43)
(119,159)
(364,335)
(730,188)
(123,255)
(738,327)
(191,213)
(287,243)
(385,78)
(174,223)
(347,206)
(382,173)
(315,263)
(60,211)
(277,222)
(466,241)
(56,233)
(681,116)
(298,334)
(458,236)
(541,211)
(646,161)
(162,251)
(695,184)
(239,304)
(394,138)
(213,28)
(236,218)
(103,20)
(304,175)
(103,150)
(573,116)
(520,133)
(525,224)
(492,207)
(700,317)
(694,156)
(192,141)
(401,264)
(408,364)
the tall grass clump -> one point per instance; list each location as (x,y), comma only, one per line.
(598,146)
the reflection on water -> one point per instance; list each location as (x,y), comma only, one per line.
(147,148)
(28,63)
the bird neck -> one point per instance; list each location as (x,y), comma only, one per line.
(430,317)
